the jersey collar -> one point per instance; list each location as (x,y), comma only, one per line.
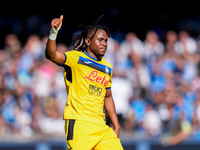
(90,56)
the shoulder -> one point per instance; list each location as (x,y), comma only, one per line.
(71,57)
(74,52)
(105,62)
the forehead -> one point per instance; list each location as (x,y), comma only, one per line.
(101,33)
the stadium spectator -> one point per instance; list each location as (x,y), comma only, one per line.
(153,74)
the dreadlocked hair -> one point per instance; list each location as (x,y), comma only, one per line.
(78,40)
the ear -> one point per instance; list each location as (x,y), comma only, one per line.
(87,41)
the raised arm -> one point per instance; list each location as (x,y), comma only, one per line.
(110,110)
(50,51)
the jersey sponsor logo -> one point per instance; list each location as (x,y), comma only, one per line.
(95,90)
(93,76)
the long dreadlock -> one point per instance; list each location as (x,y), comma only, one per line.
(78,40)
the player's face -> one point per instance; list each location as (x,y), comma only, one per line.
(98,45)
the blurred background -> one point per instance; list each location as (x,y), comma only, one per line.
(155,53)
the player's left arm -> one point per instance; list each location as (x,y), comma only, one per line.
(111,111)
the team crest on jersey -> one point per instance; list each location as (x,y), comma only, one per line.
(106,70)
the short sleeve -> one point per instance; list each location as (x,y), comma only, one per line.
(70,58)
(108,86)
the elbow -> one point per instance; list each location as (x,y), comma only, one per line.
(47,55)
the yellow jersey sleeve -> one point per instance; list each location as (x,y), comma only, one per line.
(108,86)
(71,58)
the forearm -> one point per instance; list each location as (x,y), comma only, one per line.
(177,138)
(110,110)
(50,50)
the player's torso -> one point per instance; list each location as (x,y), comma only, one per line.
(88,84)
(93,75)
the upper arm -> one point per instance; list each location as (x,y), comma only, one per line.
(59,58)
(108,93)
(53,55)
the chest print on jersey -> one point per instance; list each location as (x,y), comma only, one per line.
(93,76)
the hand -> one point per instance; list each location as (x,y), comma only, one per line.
(56,25)
(57,22)
(116,130)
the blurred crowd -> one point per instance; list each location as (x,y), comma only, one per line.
(33,92)
(156,86)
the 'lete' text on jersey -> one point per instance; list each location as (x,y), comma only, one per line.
(86,82)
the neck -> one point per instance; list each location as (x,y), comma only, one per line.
(93,55)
